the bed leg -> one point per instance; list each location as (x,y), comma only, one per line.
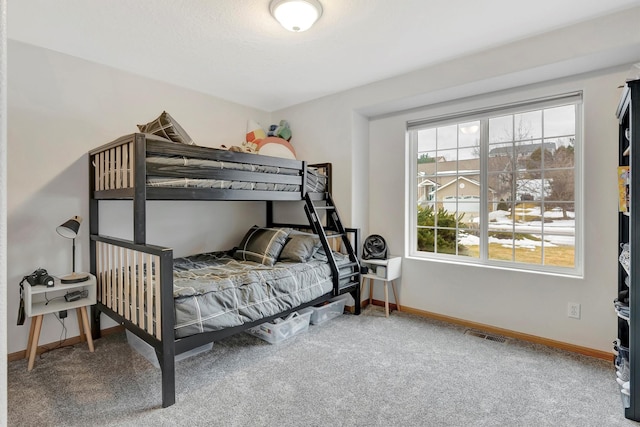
(95,323)
(356,296)
(167,365)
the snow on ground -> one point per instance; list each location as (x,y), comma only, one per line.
(559,232)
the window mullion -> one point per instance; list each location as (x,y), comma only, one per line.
(413,192)
(484,190)
(543,197)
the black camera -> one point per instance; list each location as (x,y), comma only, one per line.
(40,277)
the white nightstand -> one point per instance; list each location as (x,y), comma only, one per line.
(40,300)
(385,270)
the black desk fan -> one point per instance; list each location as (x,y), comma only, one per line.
(374,247)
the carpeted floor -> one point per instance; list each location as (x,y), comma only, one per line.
(363,370)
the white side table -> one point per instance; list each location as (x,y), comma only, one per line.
(385,270)
(40,300)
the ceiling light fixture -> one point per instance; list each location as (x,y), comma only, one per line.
(469,128)
(296,15)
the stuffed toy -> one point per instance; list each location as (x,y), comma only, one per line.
(255,133)
(275,142)
(280,130)
(239,149)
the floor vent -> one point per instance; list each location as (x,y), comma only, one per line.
(485,336)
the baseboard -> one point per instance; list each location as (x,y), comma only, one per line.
(57,344)
(586,351)
(379,303)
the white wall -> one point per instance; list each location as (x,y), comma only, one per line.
(59,108)
(529,303)
(3,209)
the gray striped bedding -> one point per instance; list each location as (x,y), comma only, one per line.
(214,291)
(316,182)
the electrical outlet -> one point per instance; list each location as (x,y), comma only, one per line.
(573,310)
(62,314)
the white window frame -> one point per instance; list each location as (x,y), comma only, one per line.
(492,111)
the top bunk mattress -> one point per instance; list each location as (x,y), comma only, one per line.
(316,181)
(214,291)
(174,166)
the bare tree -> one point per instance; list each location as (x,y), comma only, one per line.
(561,175)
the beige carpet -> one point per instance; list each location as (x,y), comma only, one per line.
(363,370)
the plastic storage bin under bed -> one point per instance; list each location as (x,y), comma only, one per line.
(282,329)
(147,351)
(334,308)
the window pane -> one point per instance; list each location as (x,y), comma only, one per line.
(528,218)
(562,183)
(501,129)
(469,134)
(446,156)
(502,186)
(522,212)
(559,236)
(426,238)
(560,121)
(426,139)
(528,125)
(562,155)
(501,219)
(469,242)
(425,191)
(501,157)
(471,153)
(469,211)
(528,249)
(427,158)
(532,188)
(559,218)
(446,240)
(530,154)
(447,137)
(500,246)
(500,227)
(558,254)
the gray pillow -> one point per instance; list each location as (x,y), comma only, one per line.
(300,248)
(262,245)
(166,127)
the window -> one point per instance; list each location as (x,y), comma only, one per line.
(499,186)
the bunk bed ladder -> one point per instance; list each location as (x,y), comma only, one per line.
(346,278)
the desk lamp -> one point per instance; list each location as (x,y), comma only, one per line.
(70,230)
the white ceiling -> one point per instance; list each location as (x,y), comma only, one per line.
(235,50)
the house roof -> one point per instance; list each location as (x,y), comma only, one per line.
(426,182)
(459,178)
(453,181)
(522,149)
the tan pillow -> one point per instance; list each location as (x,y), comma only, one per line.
(166,127)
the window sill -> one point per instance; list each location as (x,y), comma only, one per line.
(578,274)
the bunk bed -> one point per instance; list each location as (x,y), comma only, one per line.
(143,288)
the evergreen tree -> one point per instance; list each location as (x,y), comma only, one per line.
(445,233)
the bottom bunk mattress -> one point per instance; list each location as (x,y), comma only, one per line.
(214,291)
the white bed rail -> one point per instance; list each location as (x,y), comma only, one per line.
(114,168)
(129,281)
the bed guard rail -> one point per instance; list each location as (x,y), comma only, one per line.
(135,282)
(114,165)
